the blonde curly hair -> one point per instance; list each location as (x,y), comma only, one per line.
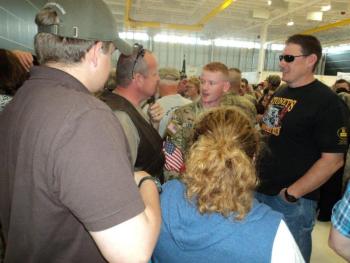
(220,173)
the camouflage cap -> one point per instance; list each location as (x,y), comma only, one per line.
(169,74)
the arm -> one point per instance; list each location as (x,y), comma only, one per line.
(156,113)
(339,243)
(131,134)
(317,175)
(25,58)
(134,239)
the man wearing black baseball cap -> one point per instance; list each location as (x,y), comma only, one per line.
(67,188)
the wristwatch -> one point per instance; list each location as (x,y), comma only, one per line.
(290,198)
(154,179)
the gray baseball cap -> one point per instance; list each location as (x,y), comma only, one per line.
(87,20)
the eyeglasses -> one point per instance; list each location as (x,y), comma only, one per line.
(140,53)
(289,58)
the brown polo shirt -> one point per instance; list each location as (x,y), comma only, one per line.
(65,169)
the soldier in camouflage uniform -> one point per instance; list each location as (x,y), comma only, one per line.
(232,99)
(214,83)
(236,97)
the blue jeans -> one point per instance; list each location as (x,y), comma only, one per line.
(299,216)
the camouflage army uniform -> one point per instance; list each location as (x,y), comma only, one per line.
(232,99)
(180,127)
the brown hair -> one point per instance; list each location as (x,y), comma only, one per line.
(12,73)
(220,173)
(309,45)
(217,66)
(52,48)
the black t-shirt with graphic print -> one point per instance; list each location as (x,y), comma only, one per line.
(301,123)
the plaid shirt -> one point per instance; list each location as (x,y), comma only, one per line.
(341,214)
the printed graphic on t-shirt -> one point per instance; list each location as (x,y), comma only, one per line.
(342,136)
(272,120)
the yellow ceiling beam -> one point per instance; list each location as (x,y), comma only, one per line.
(327,27)
(215,11)
(151,24)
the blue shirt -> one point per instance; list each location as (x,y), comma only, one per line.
(188,236)
(341,214)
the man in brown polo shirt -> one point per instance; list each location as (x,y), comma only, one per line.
(66,181)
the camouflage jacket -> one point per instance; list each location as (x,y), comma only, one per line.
(232,99)
(180,126)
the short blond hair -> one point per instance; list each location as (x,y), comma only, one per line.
(220,172)
(217,67)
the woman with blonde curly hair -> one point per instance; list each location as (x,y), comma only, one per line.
(192,90)
(211,214)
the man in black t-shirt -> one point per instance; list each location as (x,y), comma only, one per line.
(307,137)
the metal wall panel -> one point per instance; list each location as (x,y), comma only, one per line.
(17,27)
(337,62)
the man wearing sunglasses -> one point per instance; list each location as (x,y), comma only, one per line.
(307,130)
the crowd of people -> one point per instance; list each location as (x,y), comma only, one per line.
(152,166)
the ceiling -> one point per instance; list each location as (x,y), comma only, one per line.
(251,20)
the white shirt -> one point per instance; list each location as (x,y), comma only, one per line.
(284,247)
(169,104)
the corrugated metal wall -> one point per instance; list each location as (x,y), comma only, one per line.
(17,26)
(337,62)
(17,29)
(245,59)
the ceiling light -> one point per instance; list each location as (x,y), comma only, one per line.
(315,16)
(269,2)
(326,8)
(290,23)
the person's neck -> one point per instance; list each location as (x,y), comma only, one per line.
(302,81)
(208,105)
(127,94)
(77,71)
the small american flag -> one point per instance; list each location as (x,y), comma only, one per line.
(173,157)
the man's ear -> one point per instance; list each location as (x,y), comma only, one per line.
(226,86)
(139,79)
(312,59)
(92,55)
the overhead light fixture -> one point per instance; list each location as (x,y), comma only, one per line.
(326,8)
(269,2)
(290,23)
(315,16)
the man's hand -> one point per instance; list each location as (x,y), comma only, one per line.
(25,58)
(156,112)
(282,194)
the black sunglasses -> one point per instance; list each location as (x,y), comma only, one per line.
(289,58)
(140,53)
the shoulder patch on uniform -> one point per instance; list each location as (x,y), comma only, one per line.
(172,127)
